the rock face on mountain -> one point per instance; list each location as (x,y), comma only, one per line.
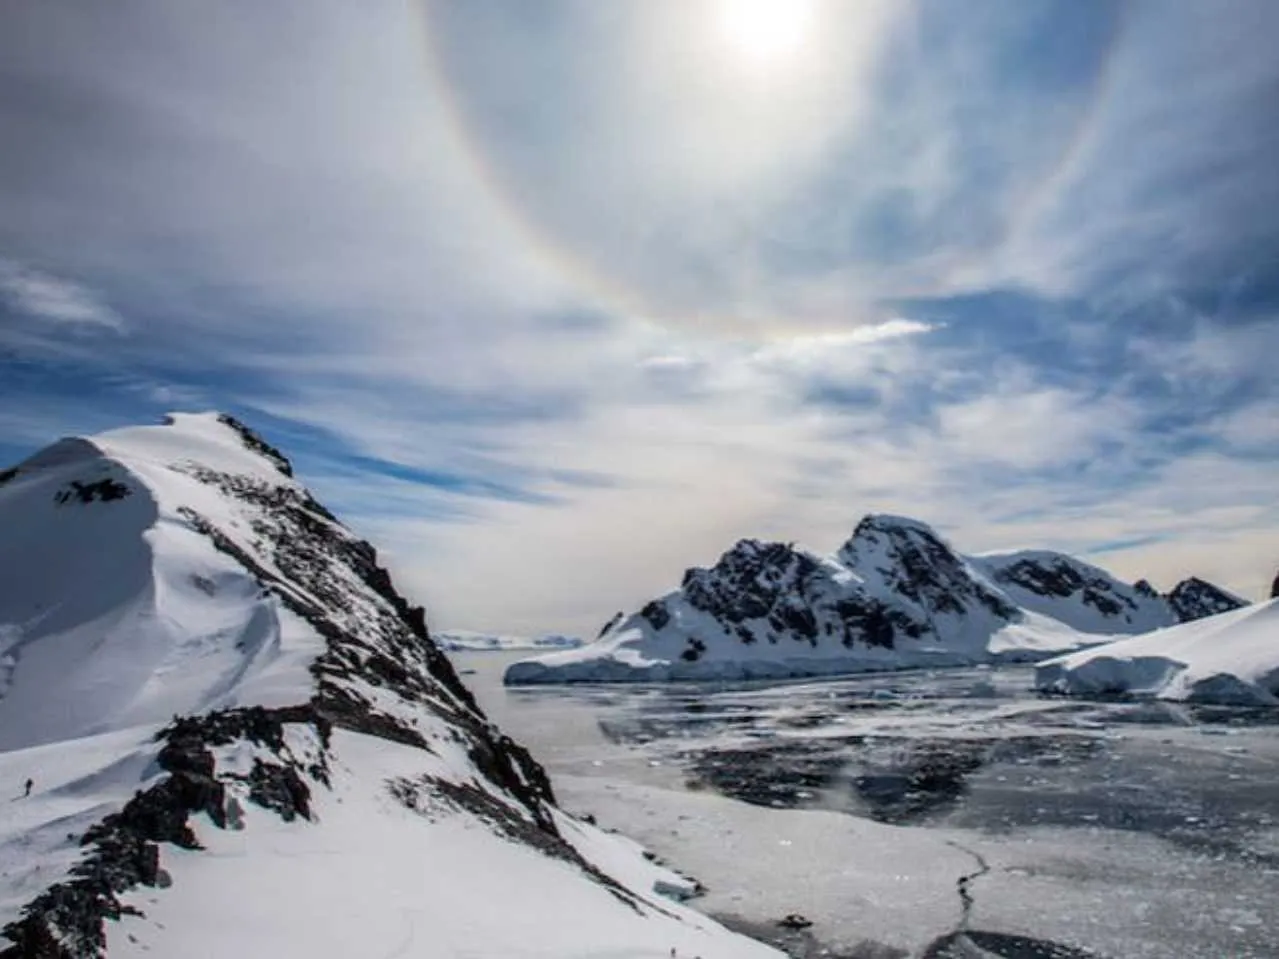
(195,654)
(1193,598)
(1083,596)
(895,595)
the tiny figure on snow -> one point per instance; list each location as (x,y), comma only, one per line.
(30,783)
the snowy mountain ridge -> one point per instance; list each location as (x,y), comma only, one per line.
(208,681)
(473,641)
(894,595)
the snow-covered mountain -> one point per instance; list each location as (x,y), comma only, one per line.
(470,641)
(1230,658)
(1194,598)
(895,595)
(226,733)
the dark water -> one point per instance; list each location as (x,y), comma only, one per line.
(977,753)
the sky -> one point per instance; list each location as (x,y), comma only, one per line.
(552,299)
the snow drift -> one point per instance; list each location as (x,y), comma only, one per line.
(215,687)
(1231,658)
(895,595)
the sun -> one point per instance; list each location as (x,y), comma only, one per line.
(766,32)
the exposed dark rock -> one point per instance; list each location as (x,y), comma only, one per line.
(123,850)
(103,491)
(1274,588)
(758,581)
(921,567)
(281,789)
(794,921)
(6,475)
(693,652)
(253,441)
(1063,578)
(611,623)
(656,614)
(1194,598)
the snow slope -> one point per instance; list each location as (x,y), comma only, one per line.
(116,612)
(216,689)
(420,880)
(895,595)
(465,640)
(1230,658)
(1078,594)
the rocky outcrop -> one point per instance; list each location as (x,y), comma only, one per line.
(122,851)
(1062,578)
(914,562)
(1195,598)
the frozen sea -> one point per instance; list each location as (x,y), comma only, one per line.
(939,814)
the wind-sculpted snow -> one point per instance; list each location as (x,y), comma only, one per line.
(177,585)
(895,595)
(1231,658)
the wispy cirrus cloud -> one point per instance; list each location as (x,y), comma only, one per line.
(44,297)
(564,299)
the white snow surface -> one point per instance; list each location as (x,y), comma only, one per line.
(118,614)
(372,877)
(76,783)
(472,641)
(970,612)
(1230,658)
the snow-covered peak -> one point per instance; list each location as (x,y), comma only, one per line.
(191,645)
(908,558)
(166,570)
(896,594)
(1194,598)
(214,440)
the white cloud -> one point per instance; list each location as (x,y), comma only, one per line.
(43,296)
(300,204)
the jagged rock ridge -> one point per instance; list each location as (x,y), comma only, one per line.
(1194,598)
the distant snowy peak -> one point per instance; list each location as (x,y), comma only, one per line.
(1194,598)
(895,594)
(471,641)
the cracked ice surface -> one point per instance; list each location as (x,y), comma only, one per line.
(1127,830)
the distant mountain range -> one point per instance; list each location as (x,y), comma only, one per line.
(895,595)
(470,641)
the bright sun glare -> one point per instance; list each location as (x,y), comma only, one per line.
(766,31)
